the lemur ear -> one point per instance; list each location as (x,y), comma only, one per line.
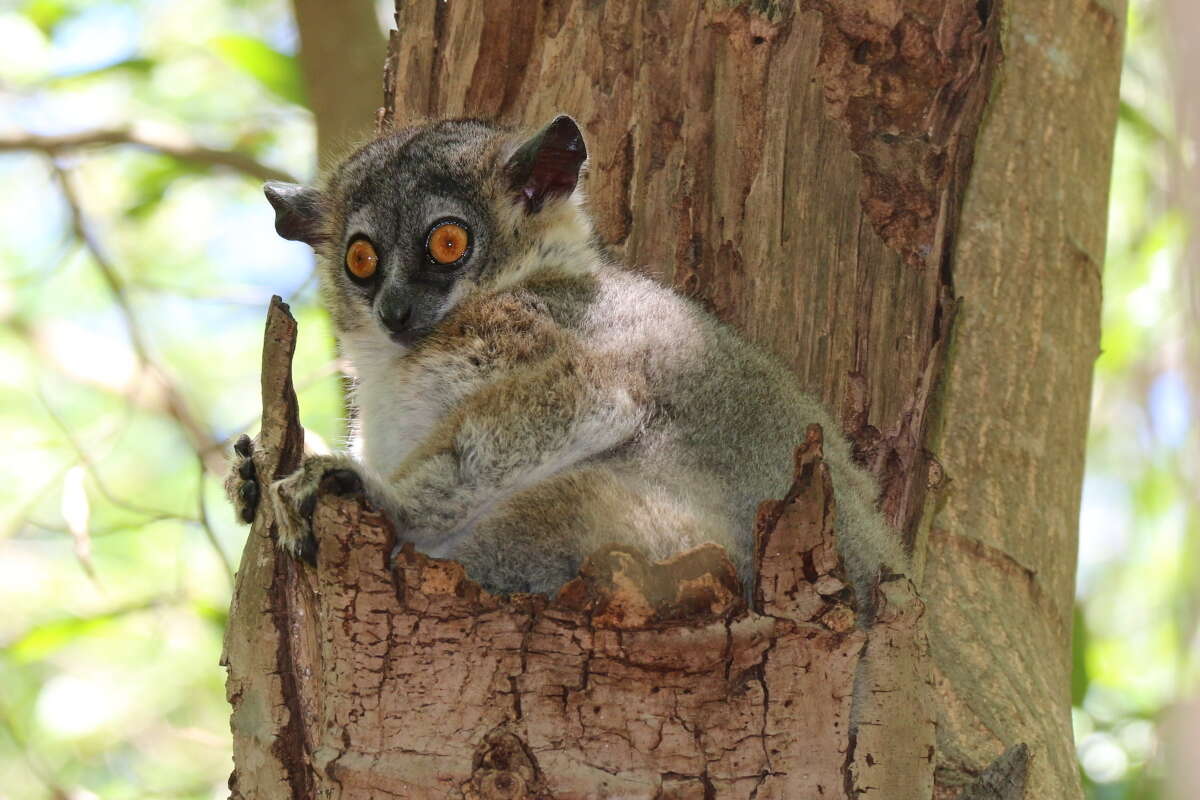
(299,211)
(547,166)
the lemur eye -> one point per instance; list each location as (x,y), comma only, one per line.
(361,259)
(448,242)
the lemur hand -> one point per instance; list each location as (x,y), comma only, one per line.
(295,497)
(241,484)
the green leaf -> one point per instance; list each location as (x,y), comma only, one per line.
(1079,670)
(46,14)
(217,616)
(48,637)
(278,72)
(152,177)
(1141,124)
(137,67)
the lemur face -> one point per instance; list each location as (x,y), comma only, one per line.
(415,223)
(411,222)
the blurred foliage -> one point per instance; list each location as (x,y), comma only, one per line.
(115,541)
(1139,575)
(273,69)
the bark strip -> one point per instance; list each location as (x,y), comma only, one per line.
(267,740)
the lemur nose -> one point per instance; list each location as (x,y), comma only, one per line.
(395,317)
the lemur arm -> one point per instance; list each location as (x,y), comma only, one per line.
(515,432)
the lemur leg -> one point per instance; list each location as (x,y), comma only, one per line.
(537,539)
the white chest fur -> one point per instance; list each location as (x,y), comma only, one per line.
(401,399)
(395,414)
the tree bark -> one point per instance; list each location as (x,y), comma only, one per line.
(802,169)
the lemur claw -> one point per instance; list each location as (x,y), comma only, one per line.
(342,482)
(248,494)
(295,500)
(242,483)
(244,447)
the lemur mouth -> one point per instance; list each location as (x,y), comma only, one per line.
(409,338)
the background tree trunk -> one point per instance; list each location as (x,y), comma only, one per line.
(341,57)
(803,169)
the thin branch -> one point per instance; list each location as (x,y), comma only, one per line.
(206,526)
(32,501)
(173,145)
(86,460)
(108,270)
(108,530)
(201,440)
(33,761)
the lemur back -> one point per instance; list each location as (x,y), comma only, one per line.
(521,400)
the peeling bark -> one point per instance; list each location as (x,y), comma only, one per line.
(908,81)
(823,176)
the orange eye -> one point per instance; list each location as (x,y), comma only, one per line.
(448,242)
(361,259)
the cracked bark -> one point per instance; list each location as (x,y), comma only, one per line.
(823,175)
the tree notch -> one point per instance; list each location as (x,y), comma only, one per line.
(638,680)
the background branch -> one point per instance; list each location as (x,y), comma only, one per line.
(206,446)
(173,144)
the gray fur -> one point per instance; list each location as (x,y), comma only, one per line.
(546,401)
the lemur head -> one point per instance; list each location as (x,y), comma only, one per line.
(414,221)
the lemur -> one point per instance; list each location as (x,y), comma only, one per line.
(521,399)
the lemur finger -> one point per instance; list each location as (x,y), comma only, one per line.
(306,550)
(246,470)
(341,482)
(244,447)
(307,506)
(248,494)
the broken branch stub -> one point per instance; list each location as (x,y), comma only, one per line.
(639,680)
(260,684)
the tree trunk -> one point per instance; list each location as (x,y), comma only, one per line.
(803,169)
(341,49)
